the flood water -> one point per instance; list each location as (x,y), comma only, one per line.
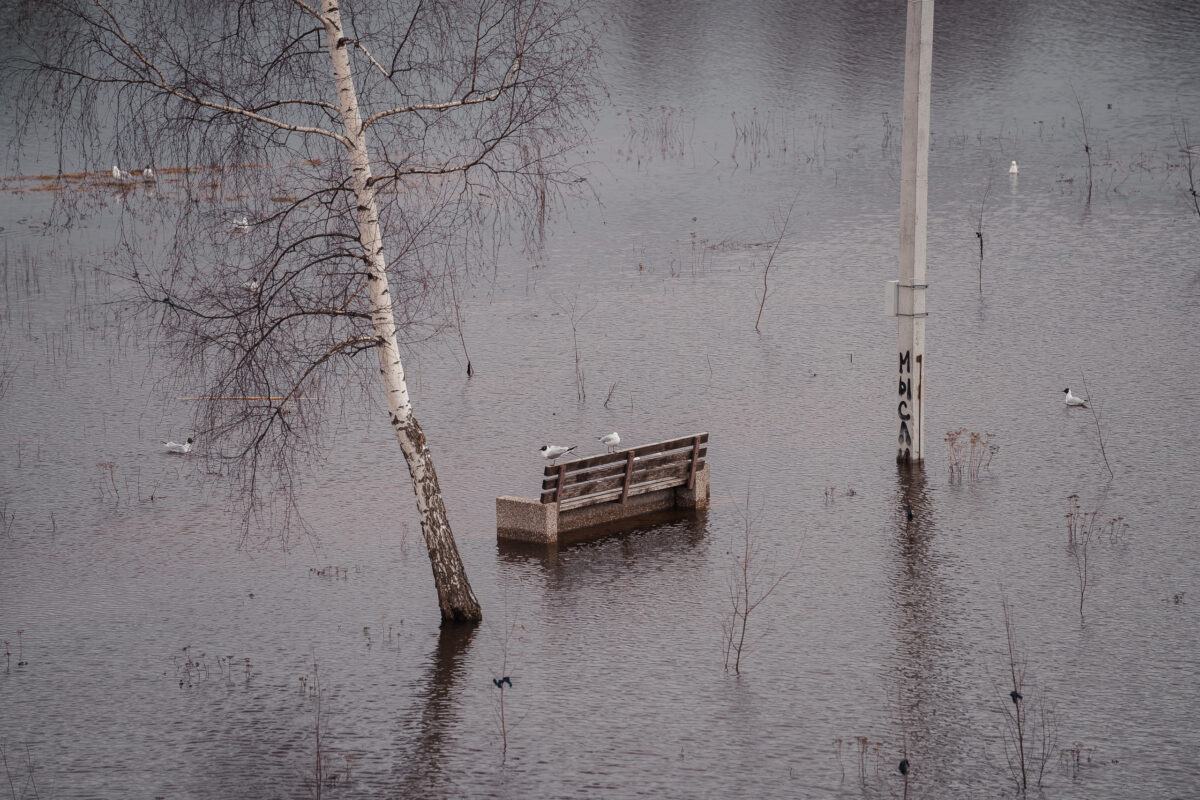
(884,640)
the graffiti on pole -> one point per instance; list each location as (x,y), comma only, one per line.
(904,451)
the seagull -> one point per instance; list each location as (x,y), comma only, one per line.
(242,224)
(176,447)
(610,440)
(554,451)
(1072,400)
(148,174)
(1013,169)
(116,173)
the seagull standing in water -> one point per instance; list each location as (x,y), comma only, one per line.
(1013,169)
(176,447)
(553,451)
(610,440)
(1072,400)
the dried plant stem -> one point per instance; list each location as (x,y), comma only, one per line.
(611,389)
(1016,671)
(1087,148)
(979,227)
(1096,419)
(576,316)
(1185,144)
(771,258)
(318,773)
(8,773)
(748,588)
(458,324)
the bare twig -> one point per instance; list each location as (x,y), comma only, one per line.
(979,226)
(1087,148)
(505,680)
(576,316)
(748,587)
(611,389)
(458,323)
(1025,747)
(1092,406)
(1189,152)
(771,258)
(1016,671)
(12,786)
(32,778)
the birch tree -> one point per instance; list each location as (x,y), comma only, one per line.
(318,172)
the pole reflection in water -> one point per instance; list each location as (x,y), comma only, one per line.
(920,686)
(419,771)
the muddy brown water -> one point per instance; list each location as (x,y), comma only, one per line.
(885,638)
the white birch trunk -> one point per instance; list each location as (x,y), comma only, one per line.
(457,600)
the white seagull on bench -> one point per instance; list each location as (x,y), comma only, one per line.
(1072,400)
(610,440)
(554,451)
(176,447)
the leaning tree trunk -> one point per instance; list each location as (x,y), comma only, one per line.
(455,597)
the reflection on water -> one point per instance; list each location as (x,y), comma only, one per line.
(920,600)
(114,556)
(421,743)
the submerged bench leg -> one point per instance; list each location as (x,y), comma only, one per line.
(526,520)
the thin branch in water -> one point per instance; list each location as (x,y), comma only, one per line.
(771,258)
(1087,148)
(576,316)
(1190,151)
(1091,404)
(748,587)
(979,226)
(458,323)
(611,390)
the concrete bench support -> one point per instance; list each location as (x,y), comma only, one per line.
(530,520)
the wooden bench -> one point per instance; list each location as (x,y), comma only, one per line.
(604,488)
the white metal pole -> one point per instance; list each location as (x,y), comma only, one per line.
(914,206)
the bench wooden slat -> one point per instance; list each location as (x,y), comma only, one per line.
(608,470)
(637,477)
(615,494)
(620,455)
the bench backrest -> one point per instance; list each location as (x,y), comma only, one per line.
(625,473)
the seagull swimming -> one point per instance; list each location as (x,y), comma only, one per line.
(1072,400)
(148,174)
(554,451)
(176,447)
(610,440)
(242,224)
(1013,169)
